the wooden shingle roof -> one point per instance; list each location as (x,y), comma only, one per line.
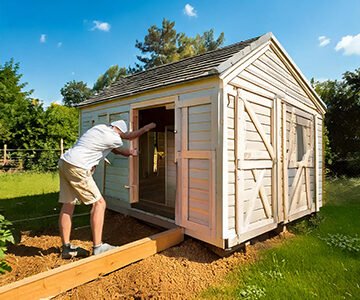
(195,67)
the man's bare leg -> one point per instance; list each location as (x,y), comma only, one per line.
(65,222)
(97,220)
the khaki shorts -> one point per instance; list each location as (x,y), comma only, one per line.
(77,184)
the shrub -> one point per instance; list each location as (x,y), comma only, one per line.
(252,292)
(306,225)
(342,241)
(5,238)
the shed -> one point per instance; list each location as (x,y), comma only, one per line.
(237,150)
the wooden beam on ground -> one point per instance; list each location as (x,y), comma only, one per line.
(59,280)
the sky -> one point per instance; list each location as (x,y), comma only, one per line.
(59,41)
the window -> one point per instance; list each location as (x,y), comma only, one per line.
(300,142)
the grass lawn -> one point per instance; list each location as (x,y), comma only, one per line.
(320,262)
(29,195)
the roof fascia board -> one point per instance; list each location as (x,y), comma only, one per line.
(247,60)
(156,89)
(236,60)
(159,92)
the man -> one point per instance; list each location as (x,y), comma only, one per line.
(76,167)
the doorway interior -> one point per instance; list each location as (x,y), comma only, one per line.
(157,167)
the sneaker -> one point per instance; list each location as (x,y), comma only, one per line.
(70,251)
(103,247)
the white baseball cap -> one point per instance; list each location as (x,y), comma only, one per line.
(120,124)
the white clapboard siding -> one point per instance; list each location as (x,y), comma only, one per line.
(271,84)
(274,77)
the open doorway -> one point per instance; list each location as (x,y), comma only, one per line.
(157,168)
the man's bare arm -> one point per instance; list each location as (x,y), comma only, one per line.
(131,135)
(124,151)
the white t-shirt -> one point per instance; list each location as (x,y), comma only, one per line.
(92,146)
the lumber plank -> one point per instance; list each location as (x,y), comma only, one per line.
(285,165)
(59,280)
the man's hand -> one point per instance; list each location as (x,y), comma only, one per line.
(125,152)
(150,126)
(133,152)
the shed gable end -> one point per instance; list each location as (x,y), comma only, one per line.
(268,74)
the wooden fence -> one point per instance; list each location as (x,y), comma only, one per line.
(13,158)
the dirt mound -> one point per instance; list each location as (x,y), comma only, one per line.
(41,252)
(180,272)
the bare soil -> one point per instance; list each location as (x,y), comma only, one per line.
(180,272)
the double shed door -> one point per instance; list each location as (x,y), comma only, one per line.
(274,163)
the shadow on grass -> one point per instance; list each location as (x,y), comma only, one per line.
(37,215)
(27,207)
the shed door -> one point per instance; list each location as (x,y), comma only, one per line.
(195,157)
(299,165)
(256,160)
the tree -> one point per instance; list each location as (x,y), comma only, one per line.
(111,75)
(160,44)
(164,45)
(19,114)
(205,42)
(62,122)
(24,124)
(343,117)
(75,92)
